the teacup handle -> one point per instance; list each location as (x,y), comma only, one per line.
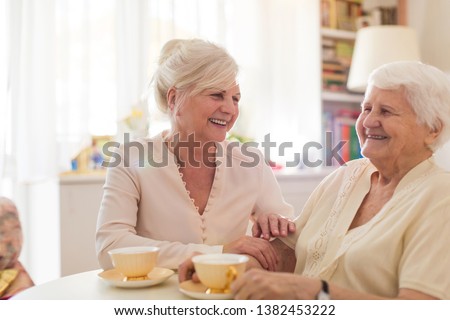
(231,276)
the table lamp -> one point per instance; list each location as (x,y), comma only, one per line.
(377,45)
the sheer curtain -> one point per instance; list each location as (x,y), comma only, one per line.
(5,111)
(70,69)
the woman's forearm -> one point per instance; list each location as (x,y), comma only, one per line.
(286,256)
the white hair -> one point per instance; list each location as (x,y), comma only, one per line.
(426,88)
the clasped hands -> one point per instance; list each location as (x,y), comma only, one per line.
(258,247)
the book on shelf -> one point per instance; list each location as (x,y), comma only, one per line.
(336,55)
(340,14)
(342,125)
(332,76)
(344,52)
(333,85)
(328,14)
(339,50)
(333,66)
(382,15)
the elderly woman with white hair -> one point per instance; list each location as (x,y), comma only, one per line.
(187,189)
(376,228)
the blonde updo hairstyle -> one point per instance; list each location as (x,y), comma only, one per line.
(426,88)
(191,66)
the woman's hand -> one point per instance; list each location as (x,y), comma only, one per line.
(262,285)
(259,249)
(261,253)
(186,270)
(272,225)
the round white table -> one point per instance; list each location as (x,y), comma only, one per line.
(89,286)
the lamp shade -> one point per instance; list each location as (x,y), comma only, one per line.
(377,45)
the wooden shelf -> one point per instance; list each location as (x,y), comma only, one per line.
(342,97)
(338,34)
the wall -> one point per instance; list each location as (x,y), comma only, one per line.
(430,19)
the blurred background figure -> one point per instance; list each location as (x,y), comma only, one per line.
(13,277)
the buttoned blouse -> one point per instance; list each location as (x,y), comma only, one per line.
(405,245)
(145,201)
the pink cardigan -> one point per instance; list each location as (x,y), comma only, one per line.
(149,205)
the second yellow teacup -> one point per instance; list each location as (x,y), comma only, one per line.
(217,271)
(134,262)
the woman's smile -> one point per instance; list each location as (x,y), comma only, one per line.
(219,122)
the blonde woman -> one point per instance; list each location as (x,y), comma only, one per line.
(187,189)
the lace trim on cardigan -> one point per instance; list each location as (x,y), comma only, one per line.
(184,183)
(317,248)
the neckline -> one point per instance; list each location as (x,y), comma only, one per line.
(212,191)
(165,142)
(215,187)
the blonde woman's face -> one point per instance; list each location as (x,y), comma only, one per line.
(209,114)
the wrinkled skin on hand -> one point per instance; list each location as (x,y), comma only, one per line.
(262,285)
(272,225)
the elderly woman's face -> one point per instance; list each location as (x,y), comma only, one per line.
(210,114)
(388,130)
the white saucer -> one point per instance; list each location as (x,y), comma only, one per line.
(156,276)
(197,290)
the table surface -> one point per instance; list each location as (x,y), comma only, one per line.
(89,286)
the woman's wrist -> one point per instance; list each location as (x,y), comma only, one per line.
(324,292)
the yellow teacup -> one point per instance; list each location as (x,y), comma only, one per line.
(134,263)
(217,271)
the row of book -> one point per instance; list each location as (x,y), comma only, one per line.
(352,15)
(382,16)
(340,14)
(342,125)
(336,59)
